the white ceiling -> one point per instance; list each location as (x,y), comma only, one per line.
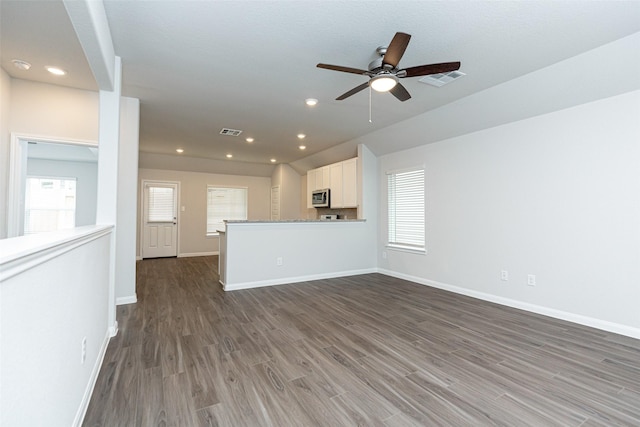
(63,152)
(199,66)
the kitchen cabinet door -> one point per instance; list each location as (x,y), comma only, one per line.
(319,183)
(326,177)
(350,183)
(335,185)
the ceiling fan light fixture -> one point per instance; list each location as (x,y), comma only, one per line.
(383,82)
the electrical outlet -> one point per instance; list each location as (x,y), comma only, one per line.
(531,280)
(83,354)
(384,254)
(504,275)
(279,260)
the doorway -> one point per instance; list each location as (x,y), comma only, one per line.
(39,156)
(160,219)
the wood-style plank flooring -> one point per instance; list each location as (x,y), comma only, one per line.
(366,350)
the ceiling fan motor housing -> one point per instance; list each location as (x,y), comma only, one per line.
(375,65)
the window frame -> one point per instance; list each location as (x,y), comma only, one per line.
(403,246)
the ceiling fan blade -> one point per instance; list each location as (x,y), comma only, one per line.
(353,91)
(396,49)
(424,70)
(341,68)
(400,92)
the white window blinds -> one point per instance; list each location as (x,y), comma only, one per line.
(160,204)
(406,209)
(224,203)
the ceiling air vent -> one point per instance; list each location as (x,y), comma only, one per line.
(230,132)
(442,79)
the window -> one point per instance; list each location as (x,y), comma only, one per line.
(406,209)
(50,204)
(160,204)
(225,203)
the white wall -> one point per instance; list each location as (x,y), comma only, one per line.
(5,102)
(48,110)
(125,286)
(86,175)
(53,293)
(192,228)
(309,251)
(557,196)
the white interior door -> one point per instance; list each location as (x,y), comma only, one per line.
(160,220)
(275,203)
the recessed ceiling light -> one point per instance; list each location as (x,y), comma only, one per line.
(229,156)
(273,160)
(179,150)
(311,102)
(20,64)
(302,147)
(55,70)
(250,140)
(301,135)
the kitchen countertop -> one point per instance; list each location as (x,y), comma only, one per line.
(289,221)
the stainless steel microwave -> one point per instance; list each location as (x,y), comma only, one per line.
(320,198)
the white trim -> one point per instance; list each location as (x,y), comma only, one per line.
(194,254)
(289,280)
(86,398)
(408,169)
(113,330)
(409,249)
(604,325)
(26,252)
(138,258)
(131,299)
(18,169)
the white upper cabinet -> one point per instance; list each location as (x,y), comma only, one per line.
(336,185)
(350,183)
(341,178)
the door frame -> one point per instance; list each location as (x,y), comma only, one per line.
(18,174)
(143,183)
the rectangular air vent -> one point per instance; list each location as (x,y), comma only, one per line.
(441,79)
(230,132)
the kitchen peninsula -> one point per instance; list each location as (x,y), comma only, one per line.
(265,253)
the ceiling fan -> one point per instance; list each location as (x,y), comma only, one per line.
(384,73)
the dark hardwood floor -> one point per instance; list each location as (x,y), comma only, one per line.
(367,350)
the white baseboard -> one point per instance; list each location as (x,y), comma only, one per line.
(138,258)
(538,309)
(113,330)
(131,299)
(288,280)
(187,254)
(86,398)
